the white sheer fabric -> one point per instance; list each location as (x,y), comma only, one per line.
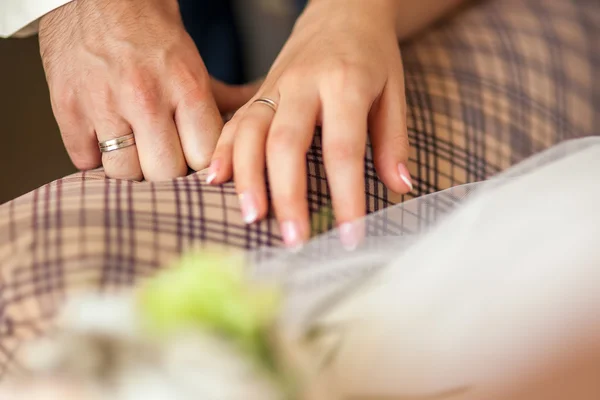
(478,289)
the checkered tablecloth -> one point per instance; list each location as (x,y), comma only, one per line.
(499,81)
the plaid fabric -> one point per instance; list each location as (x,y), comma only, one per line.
(500,81)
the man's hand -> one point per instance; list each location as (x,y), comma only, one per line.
(120,66)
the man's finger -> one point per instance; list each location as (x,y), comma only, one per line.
(122,163)
(77,132)
(143,105)
(159,150)
(199,124)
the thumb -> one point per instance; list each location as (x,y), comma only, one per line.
(231,97)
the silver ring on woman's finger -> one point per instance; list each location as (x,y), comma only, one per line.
(267,102)
(117,143)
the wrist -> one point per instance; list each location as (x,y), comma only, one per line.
(109,11)
(54,17)
(379,13)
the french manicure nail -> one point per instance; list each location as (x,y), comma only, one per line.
(248,206)
(290,230)
(405,176)
(349,235)
(213,169)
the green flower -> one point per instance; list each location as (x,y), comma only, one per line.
(210,291)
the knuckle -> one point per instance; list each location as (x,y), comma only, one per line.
(164,163)
(289,199)
(70,139)
(279,141)
(199,159)
(293,78)
(249,126)
(343,151)
(348,79)
(102,98)
(65,101)
(227,134)
(194,100)
(84,163)
(189,80)
(181,70)
(142,92)
(81,156)
(229,128)
(83,160)
(343,71)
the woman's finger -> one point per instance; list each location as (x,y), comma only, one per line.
(344,144)
(249,160)
(289,139)
(221,165)
(389,138)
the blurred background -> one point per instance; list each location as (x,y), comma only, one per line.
(32,153)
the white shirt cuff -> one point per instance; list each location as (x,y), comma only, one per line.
(20,17)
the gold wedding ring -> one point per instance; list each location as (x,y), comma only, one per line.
(267,102)
(117,143)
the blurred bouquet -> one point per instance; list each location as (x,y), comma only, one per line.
(482,291)
(198,330)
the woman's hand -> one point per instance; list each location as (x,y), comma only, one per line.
(120,66)
(341,69)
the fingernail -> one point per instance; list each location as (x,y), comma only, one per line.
(349,235)
(249,208)
(290,230)
(213,169)
(405,176)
